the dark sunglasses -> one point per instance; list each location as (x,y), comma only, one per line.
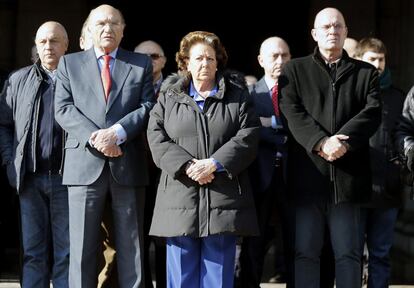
(155,56)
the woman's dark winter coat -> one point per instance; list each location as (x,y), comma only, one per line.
(227,130)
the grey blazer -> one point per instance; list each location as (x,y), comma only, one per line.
(80,109)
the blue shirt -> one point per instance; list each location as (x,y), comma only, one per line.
(200,103)
(99,56)
(198,98)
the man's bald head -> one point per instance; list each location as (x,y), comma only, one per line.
(51,43)
(153,50)
(272,42)
(106,25)
(350,46)
(274,54)
(149,46)
(327,12)
(330,32)
(54,26)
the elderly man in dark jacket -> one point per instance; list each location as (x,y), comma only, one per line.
(331,114)
(31,145)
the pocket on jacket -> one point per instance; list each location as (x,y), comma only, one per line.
(71,143)
(162,186)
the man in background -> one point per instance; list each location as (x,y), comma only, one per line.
(350,46)
(379,215)
(267,171)
(155,52)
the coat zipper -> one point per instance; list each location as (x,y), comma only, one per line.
(206,149)
(335,104)
(238,185)
(165,182)
(34,127)
(333,126)
(52,125)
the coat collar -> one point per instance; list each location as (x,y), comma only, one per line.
(37,70)
(177,86)
(345,65)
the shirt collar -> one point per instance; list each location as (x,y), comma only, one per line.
(50,73)
(99,53)
(197,97)
(270,82)
(157,85)
(332,62)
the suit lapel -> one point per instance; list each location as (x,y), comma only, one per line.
(264,97)
(119,75)
(90,70)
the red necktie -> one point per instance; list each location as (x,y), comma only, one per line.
(275,100)
(106,76)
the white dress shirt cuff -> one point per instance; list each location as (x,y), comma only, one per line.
(274,122)
(120,134)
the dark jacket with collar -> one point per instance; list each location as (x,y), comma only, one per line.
(404,136)
(227,130)
(18,115)
(314,107)
(385,164)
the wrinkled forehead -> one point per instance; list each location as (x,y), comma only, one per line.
(328,17)
(105,15)
(201,48)
(275,48)
(373,54)
(146,49)
(49,33)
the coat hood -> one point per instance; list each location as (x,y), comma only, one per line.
(227,79)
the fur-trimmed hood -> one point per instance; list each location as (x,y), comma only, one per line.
(227,79)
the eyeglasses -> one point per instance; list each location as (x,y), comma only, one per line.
(327,27)
(155,56)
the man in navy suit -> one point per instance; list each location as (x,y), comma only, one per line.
(103,97)
(267,171)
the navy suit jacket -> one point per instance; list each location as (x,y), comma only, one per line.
(271,140)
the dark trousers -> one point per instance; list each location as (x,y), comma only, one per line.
(344,223)
(253,249)
(160,258)
(378,231)
(45,231)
